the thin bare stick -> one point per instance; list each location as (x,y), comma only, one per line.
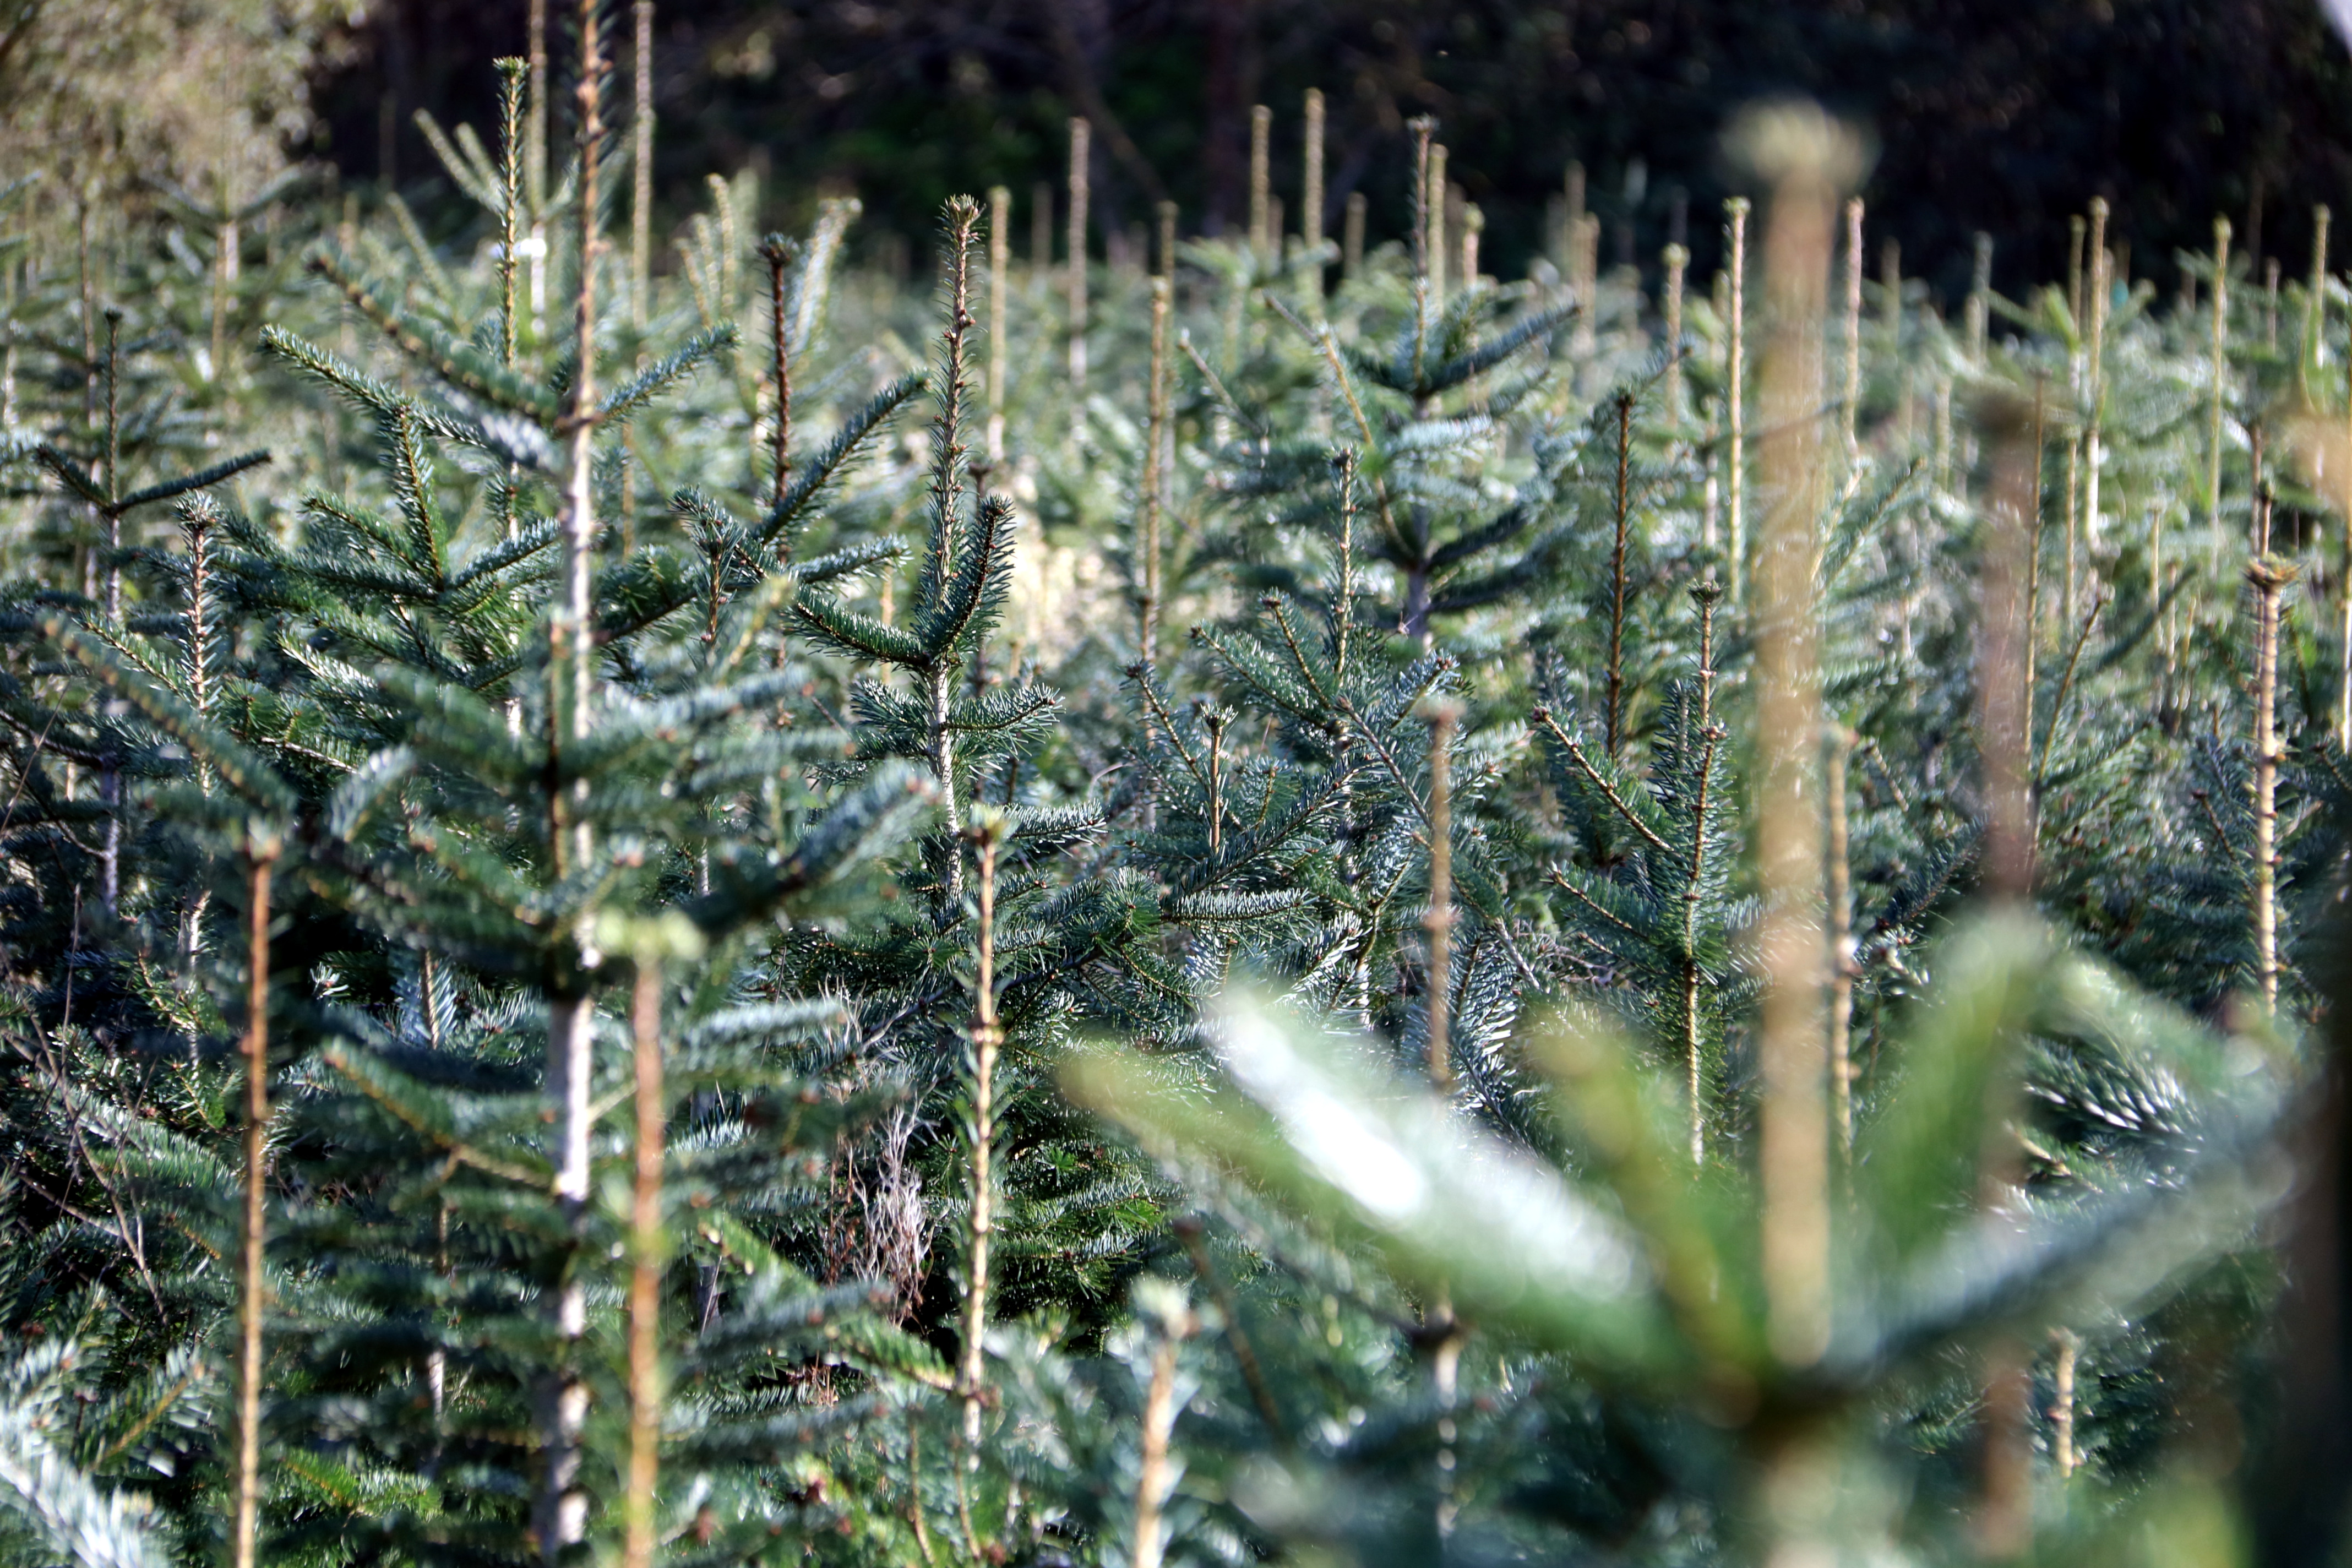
(1000,340)
(915,1508)
(561,1513)
(535,157)
(2314,301)
(1585,282)
(948,472)
(1262,241)
(2004,710)
(987,833)
(2033,552)
(777,251)
(2094,372)
(535,167)
(1736,375)
(1851,401)
(1153,1480)
(641,191)
(1676,258)
(1981,300)
(580,415)
(647,1245)
(513,160)
(2220,375)
(1807,158)
(2270,577)
(2344,588)
(1434,214)
(1837,740)
(1148,548)
(109,786)
(2069,1346)
(2076,227)
(1615,729)
(2073,532)
(1706,595)
(253,1283)
(1444,713)
(1075,279)
(1310,194)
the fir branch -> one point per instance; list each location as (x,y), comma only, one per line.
(452,361)
(1609,792)
(624,400)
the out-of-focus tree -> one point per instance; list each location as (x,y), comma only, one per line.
(2000,115)
(110,100)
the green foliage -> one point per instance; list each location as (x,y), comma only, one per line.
(950,935)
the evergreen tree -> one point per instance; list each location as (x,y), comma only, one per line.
(573,992)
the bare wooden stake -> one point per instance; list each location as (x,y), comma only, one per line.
(1440,1330)
(778,252)
(253,1293)
(2076,227)
(1736,480)
(1837,741)
(1585,282)
(2069,1346)
(641,195)
(1444,713)
(1678,259)
(2270,578)
(2004,714)
(1263,240)
(1154,1480)
(1808,159)
(1981,298)
(1000,338)
(1434,215)
(2314,302)
(1851,403)
(2220,375)
(1706,595)
(514,159)
(540,89)
(987,834)
(648,1251)
(2344,587)
(1310,193)
(2100,284)
(561,1515)
(1147,547)
(1623,510)
(1081,142)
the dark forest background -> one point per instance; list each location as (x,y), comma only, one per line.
(2003,115)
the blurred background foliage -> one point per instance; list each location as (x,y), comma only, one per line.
(2000,115)
(119,100)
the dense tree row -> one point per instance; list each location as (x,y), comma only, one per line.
(1118,918)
